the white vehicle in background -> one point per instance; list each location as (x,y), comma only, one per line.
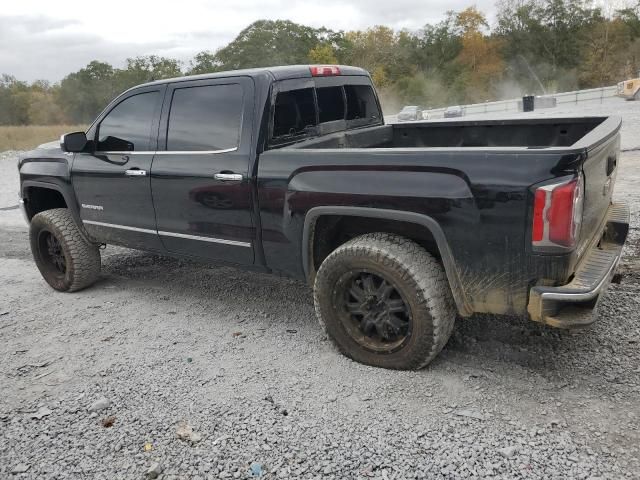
(410,113)
(453,111)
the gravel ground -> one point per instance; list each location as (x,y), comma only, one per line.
(188,371)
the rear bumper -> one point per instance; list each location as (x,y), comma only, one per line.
(573,305)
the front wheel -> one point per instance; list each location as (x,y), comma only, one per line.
(385,301)
(65,259)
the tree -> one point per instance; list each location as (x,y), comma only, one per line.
(146,69)
(267,43)
(479,56)
(603,59)
(631,17)
(322,53)
(83,94)
(204,62)
(438,46)
(375,50)
(14,101)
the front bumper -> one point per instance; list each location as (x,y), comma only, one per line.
(573,305)
(23,210)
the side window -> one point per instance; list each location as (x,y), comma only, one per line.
(294,111)
(330,104)
(361,102)
(205,118)
(128,126)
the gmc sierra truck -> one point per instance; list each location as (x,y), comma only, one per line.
(398,228)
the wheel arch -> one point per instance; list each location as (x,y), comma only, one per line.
(423,221)
(29,189)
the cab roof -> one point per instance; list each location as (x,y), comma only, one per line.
(283,72)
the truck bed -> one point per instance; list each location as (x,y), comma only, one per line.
(468,176)
(528,133)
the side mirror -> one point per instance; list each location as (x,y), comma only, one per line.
(73,142)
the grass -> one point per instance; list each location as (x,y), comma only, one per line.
(26,137)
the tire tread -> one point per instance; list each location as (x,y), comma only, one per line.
(84,257)
(415,265)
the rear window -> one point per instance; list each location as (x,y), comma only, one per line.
(361,102)
(294,112)
(297,112)
(330,104)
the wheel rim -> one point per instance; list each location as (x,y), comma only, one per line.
(52,253)
(373,311)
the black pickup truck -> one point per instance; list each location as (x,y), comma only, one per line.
(292,170)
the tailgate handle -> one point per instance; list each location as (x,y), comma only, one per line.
(612,161)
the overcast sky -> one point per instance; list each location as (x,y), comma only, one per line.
(45,39)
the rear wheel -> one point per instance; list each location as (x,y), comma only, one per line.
(385,301)
(65,259)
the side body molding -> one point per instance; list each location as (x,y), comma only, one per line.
(313,214)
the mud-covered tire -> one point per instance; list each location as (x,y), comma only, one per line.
(419,279)
(65,259)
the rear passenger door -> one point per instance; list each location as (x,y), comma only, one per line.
(200,175)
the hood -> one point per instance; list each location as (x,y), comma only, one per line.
(49,145)
(49,151)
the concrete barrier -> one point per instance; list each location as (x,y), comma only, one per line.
(542,101)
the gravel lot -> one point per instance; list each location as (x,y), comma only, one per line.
(195,371)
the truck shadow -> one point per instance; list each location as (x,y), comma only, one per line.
(477,342)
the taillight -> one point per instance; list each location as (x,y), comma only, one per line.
(557,214)
(324,70)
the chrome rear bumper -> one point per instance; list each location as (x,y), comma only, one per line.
(573,305)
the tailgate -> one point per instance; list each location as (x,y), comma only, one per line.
(600,167)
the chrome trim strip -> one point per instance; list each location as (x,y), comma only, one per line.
(205,239)
(126,152)
(195,152)
(167,152)
(120,227)
(170,234)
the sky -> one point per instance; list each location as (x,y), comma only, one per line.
(44,39)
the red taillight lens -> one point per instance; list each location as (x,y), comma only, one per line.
(538,215)
(560,215)
(557,214)
(324,70)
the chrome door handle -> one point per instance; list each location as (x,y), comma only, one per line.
(228,177)
(135,172)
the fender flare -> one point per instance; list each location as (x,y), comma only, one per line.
(69,198)
(462,304)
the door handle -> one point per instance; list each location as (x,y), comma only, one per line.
(135,172)
(228,177)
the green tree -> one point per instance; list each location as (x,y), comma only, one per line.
(146,69)
(204,62)
(83,94)
(14,101)
(267,43)
(323,54)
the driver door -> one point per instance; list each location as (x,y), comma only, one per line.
(113,183)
